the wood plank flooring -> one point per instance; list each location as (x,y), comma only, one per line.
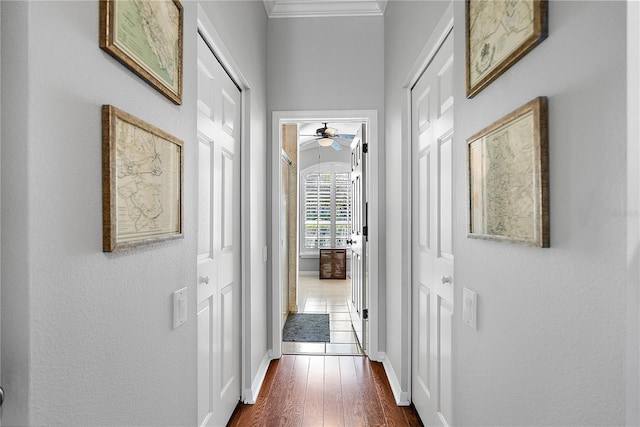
(308,390)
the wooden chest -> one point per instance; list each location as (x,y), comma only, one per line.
(333,263)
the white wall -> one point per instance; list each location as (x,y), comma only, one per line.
(243,27)
(16,344)
(325,63)
(632,214)
(328,64)
(87,336)
(550,344)
(0,188)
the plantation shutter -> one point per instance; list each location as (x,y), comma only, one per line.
(311,211)
(342,209)
(327,209)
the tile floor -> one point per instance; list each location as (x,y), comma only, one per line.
(326,296)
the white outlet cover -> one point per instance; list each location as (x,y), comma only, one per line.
(179,307)
(469,307)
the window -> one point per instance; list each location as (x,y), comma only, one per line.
(326,202)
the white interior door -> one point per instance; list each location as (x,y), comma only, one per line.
(359,292)
(432,247)
(218,310)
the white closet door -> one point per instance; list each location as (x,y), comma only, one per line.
(432,245)
(218,310)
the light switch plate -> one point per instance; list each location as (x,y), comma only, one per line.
(469,307)
(179,307)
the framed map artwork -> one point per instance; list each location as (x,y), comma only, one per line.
(508,178)
(142,182)
(498,34)
(146,36)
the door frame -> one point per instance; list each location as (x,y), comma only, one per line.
(401,387)
(215,43)
(279,118)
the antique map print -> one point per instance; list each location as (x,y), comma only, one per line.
(149,31)
(497,28)
(147,183)
(503,183)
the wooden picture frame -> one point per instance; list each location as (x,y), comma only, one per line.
(498,34)
(508,178)
(146,36)
(142,182)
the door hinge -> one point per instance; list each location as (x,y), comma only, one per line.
(365,313)
(365,231)
(365,148)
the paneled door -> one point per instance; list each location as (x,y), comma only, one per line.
(432,243)
(358,241)
(218,310)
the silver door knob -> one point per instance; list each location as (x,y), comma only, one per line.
(446,279)
(1,396)
(203,280)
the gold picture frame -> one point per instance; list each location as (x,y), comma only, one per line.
(498,34)
(508,178)
(146,36)
(142,182)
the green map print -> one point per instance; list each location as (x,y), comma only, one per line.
(147,30)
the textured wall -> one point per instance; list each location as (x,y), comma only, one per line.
(87,336)
(100,348)
(553,319)
(550,344)
(633,214)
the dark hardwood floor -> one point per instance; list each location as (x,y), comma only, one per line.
(307,390)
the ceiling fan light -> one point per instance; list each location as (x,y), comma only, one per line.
(325,142)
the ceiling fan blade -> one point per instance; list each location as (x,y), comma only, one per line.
(336,146)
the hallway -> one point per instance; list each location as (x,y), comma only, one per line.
(305,390)
(101,338)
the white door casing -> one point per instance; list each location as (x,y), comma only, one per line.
(218,261)
(358,301)
(432,242)
(370,117)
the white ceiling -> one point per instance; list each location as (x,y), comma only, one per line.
(323,8)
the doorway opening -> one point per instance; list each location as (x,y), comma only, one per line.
(312,218)
(317,216)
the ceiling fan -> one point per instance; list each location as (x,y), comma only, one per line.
(329,137)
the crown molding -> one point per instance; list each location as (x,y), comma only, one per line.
(323,8)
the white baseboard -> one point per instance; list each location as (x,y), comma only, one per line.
(316,273)
(251,395)
(402,397)
(377,357)
(308,273)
